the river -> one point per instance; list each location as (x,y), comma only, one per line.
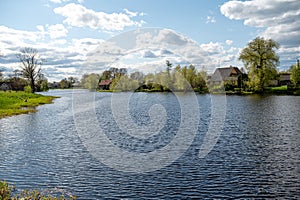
(252,153)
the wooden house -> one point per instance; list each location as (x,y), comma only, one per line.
(227,75)
(105,84)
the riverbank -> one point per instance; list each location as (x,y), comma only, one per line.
(15,103)
(268,91)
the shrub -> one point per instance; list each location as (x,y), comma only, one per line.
(27,89)
(5,190)
(5,194)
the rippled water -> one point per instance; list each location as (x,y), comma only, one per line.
(257,154)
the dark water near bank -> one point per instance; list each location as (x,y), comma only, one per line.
(257,154)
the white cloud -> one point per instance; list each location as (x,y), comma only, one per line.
(279,19)
(11,37)
(152,47)
(229,42)
(79,16)
(57,31)
(131,14)
(144,49)
(61,55)
(213,48)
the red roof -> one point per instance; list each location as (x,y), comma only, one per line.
(105,82)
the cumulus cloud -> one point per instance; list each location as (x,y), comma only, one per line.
(278,19)
(147,49)
(53,31)
(144,49)
(229,42)
(57,31)
(58,53)
(213,48)
(15,37)
(79,16)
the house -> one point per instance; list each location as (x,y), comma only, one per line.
(227,75)
(104,84)
(285,79)
(5,86)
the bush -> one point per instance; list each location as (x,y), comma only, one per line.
(6,190)
(27,89)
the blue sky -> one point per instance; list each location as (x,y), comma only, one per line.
(66,32)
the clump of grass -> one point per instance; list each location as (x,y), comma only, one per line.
(13,103)
(6,194)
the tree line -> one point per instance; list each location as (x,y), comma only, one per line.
(176,78)
(259,58)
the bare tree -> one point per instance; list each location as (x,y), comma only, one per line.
(31,65)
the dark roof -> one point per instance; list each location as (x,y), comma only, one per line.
(226,73)
(285,77)
(105,82)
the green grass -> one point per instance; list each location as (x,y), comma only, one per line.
(279,88)
(14,103)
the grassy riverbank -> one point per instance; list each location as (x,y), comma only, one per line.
(8,192)
(14,103)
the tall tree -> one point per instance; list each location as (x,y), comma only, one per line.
(295,73)
(30,65)
(260,59)
(169,82)
(191,75)
(169,67)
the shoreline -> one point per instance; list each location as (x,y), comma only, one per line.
(242,93)
(18,102)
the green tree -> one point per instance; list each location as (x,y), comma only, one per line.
(42,82)
(137,76)
(30,65)
(191,75)
(90,81)
(148,80)
(295,73)
(124,83)
(64,83)
(260,59)
(200,81)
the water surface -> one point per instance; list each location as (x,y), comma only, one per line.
(257,154)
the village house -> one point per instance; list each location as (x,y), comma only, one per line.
(285,79)
(227,75)
(105,84)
